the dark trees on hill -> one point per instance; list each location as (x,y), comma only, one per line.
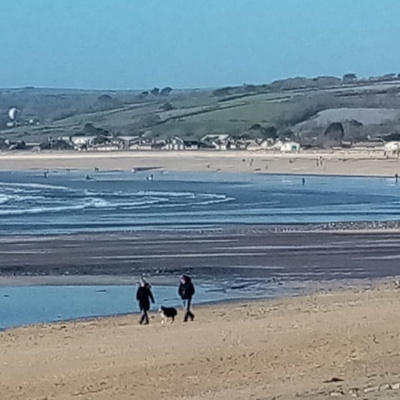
(333,135)
(166,91)
(350,77)
(269,132)
(105,99)
(90,130)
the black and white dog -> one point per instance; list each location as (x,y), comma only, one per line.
(168,313)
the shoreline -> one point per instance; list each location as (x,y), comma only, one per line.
(295,347)
(374,226)
(311,290)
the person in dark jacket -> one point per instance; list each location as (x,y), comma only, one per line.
(186,291)
(144,296)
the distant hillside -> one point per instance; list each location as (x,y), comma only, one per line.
(296,107)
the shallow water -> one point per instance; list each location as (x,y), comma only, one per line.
(25,305)
(65,202)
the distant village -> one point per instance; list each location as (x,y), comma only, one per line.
(104,142)
(223,142)
(210,142)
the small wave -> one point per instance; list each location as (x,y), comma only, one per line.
(9,198)
(96,203)
(4,198)
(35,186)
(42,210)
(166,194)
(215,201)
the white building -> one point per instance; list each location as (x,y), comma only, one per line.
(392,147)
(290,147)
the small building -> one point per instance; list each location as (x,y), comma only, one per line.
(392,147)
(179,144)
(141,145)
(175,144)
(79,142)
(290,147)
(225,142)
(105,147)
(219,142)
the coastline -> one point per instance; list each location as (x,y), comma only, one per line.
(344,325)
(294,349)
(337,162)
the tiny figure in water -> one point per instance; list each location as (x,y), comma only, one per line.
(45,173)
(303,181)
(186,292)
(144,296)
(396,177)
(150,178)
(88,178)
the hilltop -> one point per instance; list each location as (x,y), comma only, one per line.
(322,111)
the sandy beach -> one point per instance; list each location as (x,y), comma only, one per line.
(338,162)
(282,349)
(342,344)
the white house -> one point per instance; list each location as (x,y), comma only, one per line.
(290,147)
(392,147)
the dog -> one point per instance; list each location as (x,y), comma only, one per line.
(168,313)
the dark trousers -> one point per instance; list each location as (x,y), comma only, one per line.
(188,313)
(144,318)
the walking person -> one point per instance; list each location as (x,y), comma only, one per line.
(186,292)
(144,296)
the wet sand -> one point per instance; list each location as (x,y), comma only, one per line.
(313,347)
(242,252)
(338,162)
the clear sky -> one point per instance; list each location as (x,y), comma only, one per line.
(135,44)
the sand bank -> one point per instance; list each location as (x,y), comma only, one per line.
(223,255)
(285,348)
(342,162)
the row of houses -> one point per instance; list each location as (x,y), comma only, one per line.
(208,142)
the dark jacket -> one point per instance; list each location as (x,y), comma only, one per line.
(143,296)
(186,290)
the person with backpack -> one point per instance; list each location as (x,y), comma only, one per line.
(144,296)
(186,292)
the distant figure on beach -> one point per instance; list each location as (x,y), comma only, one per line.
(144,296)
(96,169)
(396,177)
(303,181)
(186,292)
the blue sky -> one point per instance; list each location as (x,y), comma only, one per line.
(135,44)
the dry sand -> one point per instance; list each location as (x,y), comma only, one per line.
(340,162)
(282,349)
